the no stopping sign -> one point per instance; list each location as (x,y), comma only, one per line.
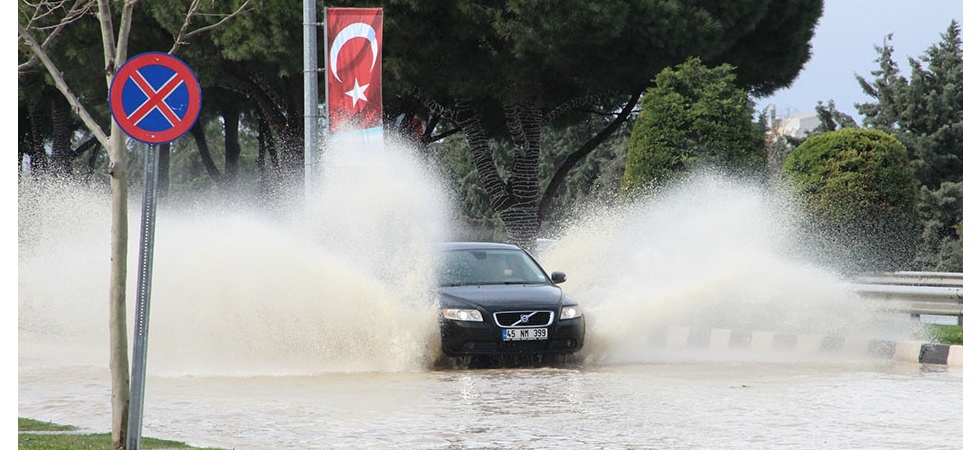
(155,98)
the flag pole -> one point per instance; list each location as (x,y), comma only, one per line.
(311,142)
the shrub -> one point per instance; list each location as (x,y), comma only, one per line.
(859,191)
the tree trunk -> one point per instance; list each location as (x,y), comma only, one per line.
(521,220)
(268,158)
(115,143)
(61,153)
(39,159)
(233,150)
(283,116)
(516,200)
(197,130)
(118,343)
(476,139)
(114,53)
(93,156)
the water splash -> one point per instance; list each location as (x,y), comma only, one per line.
(342,286)
(709,252)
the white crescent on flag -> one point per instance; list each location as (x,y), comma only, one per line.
(352,31)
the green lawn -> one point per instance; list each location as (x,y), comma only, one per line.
(947,334)
(37,435)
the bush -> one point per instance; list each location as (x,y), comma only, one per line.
(859,191)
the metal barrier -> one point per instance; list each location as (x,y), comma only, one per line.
(916,293)
(951,279)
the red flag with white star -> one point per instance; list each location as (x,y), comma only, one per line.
(353,68)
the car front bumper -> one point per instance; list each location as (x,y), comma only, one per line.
(479,338)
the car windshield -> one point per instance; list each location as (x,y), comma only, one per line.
(493,266)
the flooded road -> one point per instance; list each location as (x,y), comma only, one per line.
(680,405)
(273,329)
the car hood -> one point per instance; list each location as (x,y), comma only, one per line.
(492,297)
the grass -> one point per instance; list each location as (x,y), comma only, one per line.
(36,425)
(947,334)
(38,435)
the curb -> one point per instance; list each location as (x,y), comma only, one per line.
(721,339)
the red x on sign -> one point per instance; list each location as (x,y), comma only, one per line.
(155,98)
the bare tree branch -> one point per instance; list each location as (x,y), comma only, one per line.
(179,40)
(184,35)
(108,40)
(574,103)
(77,10)
(122,42)
(62,86)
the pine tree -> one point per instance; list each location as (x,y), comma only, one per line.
(694,116)
(925,113)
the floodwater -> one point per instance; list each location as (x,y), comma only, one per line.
(677,405)
(278,329)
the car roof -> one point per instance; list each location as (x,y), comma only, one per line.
(476,246)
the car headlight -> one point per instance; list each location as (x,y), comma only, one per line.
(570,312)
(467,315)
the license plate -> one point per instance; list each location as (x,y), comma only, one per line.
(525,334)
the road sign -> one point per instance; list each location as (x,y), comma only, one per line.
(155,98)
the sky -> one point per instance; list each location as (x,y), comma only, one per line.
(843,46)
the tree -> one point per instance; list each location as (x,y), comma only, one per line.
(46,114)
(831,119)
(886,88)
(475,217)
(502,69)
(694,115)
(591,174)
(925,113)
(858,188)
(115,48)
(940,246)
(508,69)
(255,66)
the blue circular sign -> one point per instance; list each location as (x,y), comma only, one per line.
(155,98)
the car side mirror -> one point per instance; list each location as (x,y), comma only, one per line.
(558,277)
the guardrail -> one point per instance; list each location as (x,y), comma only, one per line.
(916,293)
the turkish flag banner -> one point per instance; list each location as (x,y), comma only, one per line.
(353,55)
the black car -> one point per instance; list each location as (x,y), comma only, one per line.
(495,299)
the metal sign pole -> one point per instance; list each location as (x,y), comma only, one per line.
(147,226)
(152,113)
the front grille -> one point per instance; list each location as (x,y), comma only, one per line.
(523,319)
